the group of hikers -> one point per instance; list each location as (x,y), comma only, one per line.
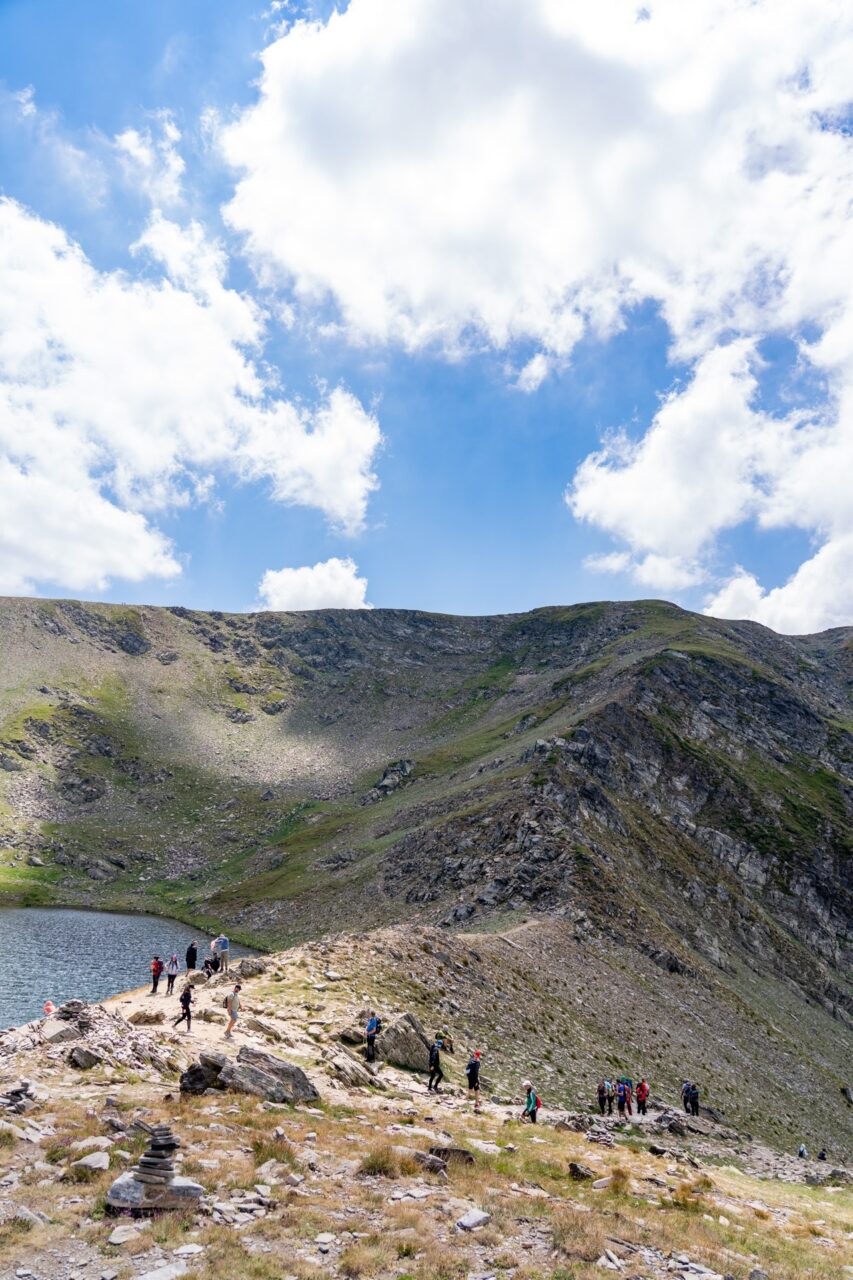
(215,962)
(622,1092)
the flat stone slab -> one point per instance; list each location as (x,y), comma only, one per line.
(127,1193)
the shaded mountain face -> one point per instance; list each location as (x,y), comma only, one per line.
(679,786)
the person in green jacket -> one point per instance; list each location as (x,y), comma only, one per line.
(531,1104)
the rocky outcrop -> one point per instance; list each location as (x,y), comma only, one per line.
(404,1043)
(253,1072)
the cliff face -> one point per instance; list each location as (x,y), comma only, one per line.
(679,786)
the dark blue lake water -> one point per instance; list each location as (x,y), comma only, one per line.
(57,954)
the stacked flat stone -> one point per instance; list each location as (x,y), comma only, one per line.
(156,1166)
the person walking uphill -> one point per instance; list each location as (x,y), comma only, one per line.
(436,1075)
(172,968)
(186,1014)
(156,970)
(192,956)
(642,1097)
(371,1031)
(232,1005)
(472,1071)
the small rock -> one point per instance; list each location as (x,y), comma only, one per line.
(96,1162)
(473,1219)
(124,1235)
(581,1172)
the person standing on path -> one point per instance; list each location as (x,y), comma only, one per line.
(186,1014)
(172,968)
(222,947)
(156,970)
(531,1103)
(685,1096)
(610,1096)
(192,956)
(436,1075)
(642,1097)
(693,1100)
(232,1004)
(371,1031)
(602,1097)
(472,1071)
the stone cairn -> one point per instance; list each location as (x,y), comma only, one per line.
(152,1185)
(156,1166)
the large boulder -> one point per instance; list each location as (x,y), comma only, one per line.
(243,1078)
(404,1043)
(348,1070)
(82,1058)
(249,967)
(293,1079)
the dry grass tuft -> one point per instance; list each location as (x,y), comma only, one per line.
(577,1234)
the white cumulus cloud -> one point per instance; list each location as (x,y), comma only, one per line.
(152,161)
(331,584)
(491,172)
(121,399)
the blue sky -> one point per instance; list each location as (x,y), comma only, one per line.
(594,362)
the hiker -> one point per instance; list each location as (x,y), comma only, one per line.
(693,1099)
(192,955)
(608,1084)
(629,1095)
(685,1096)
(621,1098)
(232,1004)
(436,1075)
(186,1014)
(222,946)
(172,968)
(207,968)
(531,1103)
(803,1153)
(371,1031)
(642,1097)
(156,970)
(602,1097)
(472,1071)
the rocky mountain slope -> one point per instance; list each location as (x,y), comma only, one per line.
(663,801)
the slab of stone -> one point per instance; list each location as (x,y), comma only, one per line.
(171,1271)
(127,1193)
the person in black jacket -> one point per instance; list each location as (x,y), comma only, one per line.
(192,955)
(472,1071)
(436,1075)
(186,1014)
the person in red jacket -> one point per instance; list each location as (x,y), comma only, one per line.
(157,967)
(642,1097)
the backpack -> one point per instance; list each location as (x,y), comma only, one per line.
(226,1002)
(538,1102)
(378,1025)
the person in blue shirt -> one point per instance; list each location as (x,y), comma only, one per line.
(370,1033)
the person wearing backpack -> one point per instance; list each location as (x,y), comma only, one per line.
(171,974)
(232,1005)
(642,1097)
(685,1096)
(186,1015)
(472,1071)
(531,1104)
(621,1098)
(611,1094)
(192,956)
(371,1031)
(693,1100)
(436,1075)
(156,970)
(602,1097)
